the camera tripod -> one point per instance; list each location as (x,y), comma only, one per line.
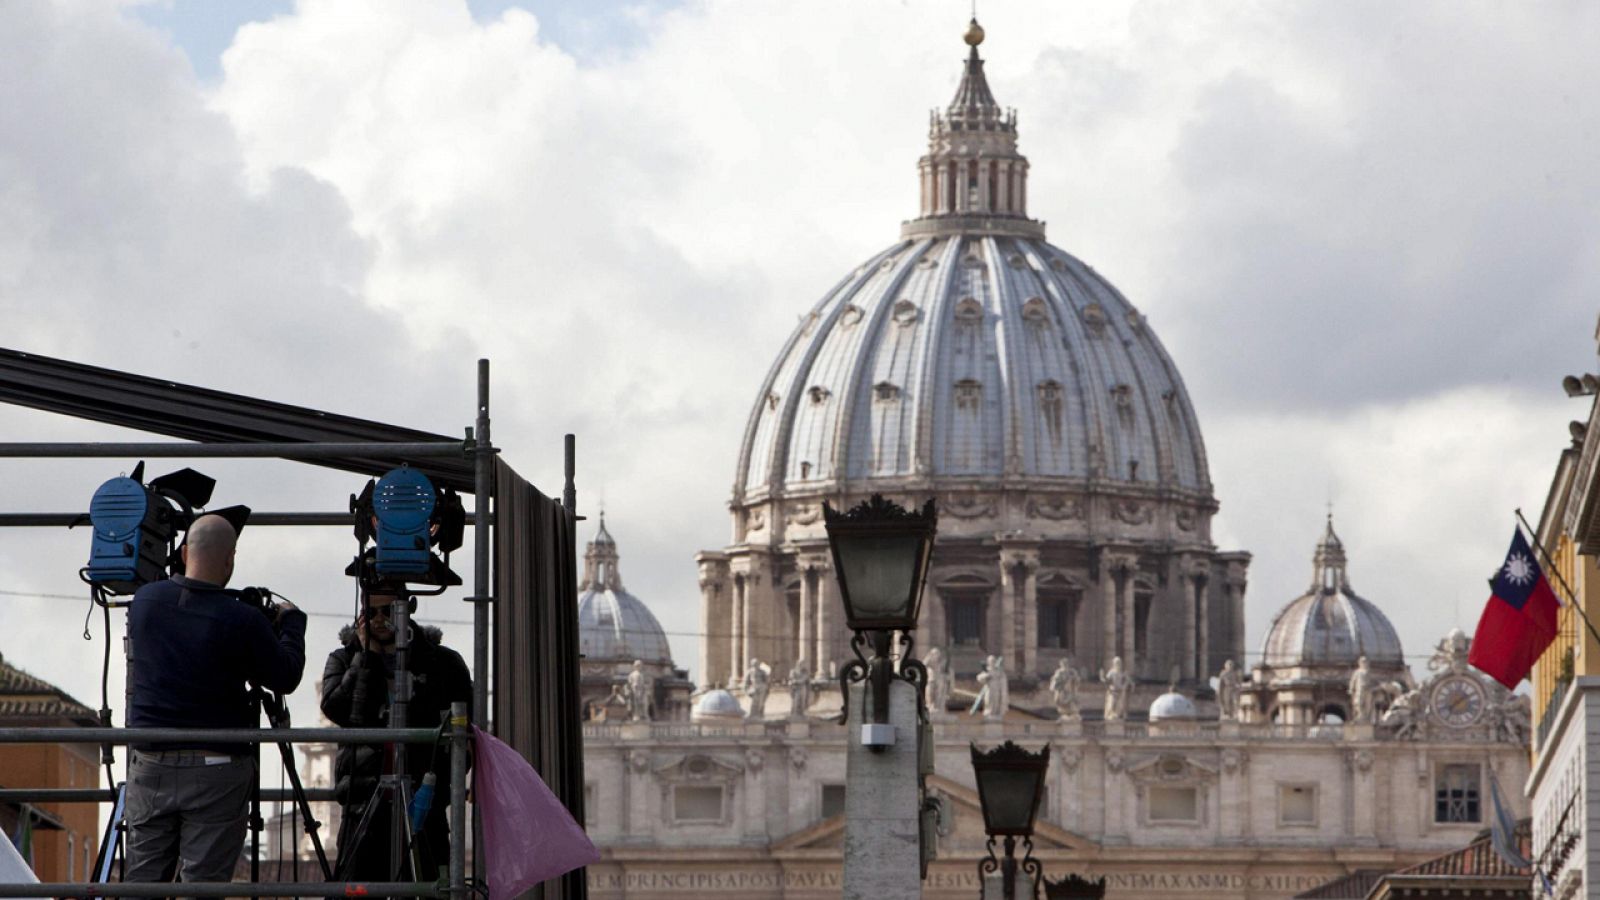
(395,790)
(278,717)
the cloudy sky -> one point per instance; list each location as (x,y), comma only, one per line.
(1366,232)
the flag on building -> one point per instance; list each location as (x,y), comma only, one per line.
(1519,620)
(528,836)
(1503,830)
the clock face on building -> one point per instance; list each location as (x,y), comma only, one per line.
(1459,701)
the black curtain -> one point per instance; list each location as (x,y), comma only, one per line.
(536,705)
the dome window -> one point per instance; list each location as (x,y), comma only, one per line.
(772,400)
(886,392)
(1017,261)
(1058,264)
(1035,312)
(818,394)
(969,311)
(851,315)
(968,394)
(1051,403)
(1095,318)
(972,261)
(906,312)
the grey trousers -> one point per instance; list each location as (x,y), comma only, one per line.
(185,817)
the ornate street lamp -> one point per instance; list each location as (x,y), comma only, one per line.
(880,553)
(1010,787)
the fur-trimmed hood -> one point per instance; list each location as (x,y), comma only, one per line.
(432,633)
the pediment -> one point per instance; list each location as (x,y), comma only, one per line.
(1170,768)
(825,835)
(963,821)
(690,767)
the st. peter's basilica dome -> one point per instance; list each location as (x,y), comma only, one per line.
(971,350)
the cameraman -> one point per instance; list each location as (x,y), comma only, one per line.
(195,648)
(357,687)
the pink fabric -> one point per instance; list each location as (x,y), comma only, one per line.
(528,836)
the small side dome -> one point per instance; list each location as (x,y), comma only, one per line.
(717,705)
(1330,625)
(1173,707)
(614,625)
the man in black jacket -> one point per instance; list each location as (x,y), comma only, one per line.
(196,650)
(357,685)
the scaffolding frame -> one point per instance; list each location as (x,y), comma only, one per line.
(360,456)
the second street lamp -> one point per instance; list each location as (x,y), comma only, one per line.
(880,553)
(1010,787)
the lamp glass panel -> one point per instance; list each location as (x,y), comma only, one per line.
(1008,796)
(878,571)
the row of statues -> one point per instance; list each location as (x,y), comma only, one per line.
(1396,705)
(994,691)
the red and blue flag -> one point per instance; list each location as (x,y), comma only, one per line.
(1519,621)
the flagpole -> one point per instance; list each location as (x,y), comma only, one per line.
(1552,568)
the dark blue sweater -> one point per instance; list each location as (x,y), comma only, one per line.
(195,647)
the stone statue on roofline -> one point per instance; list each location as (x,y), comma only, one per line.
(799,689)
(1229,684)
(639,693)
(1117,683)
(994,693)
(755,687)
(938,694)
(1364,688)
(1064,690)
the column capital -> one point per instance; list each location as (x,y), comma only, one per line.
(1118,559)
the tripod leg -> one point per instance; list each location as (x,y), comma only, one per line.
(355,837)
(305,808)
(111,839)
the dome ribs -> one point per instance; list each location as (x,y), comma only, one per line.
(937,381)
(760,441)
(855,431)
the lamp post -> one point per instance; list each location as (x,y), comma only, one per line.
(1010,787)
(880,556)
(880,553)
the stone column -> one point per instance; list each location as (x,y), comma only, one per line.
(1130,622)
(882,801)
(1020,581)
(1030,612)
(985,202)
(805,638)
(1010,601)
(1236,587)
(830,615)
(1108,606)
(736,647)
(1202,605)
(716,613)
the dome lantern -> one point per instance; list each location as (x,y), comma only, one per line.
(973,178)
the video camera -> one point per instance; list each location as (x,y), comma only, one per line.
(260,599)
(136,526)
(412,526)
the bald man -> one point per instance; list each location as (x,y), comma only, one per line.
(196,650)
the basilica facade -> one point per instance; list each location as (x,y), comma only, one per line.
(974,363)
